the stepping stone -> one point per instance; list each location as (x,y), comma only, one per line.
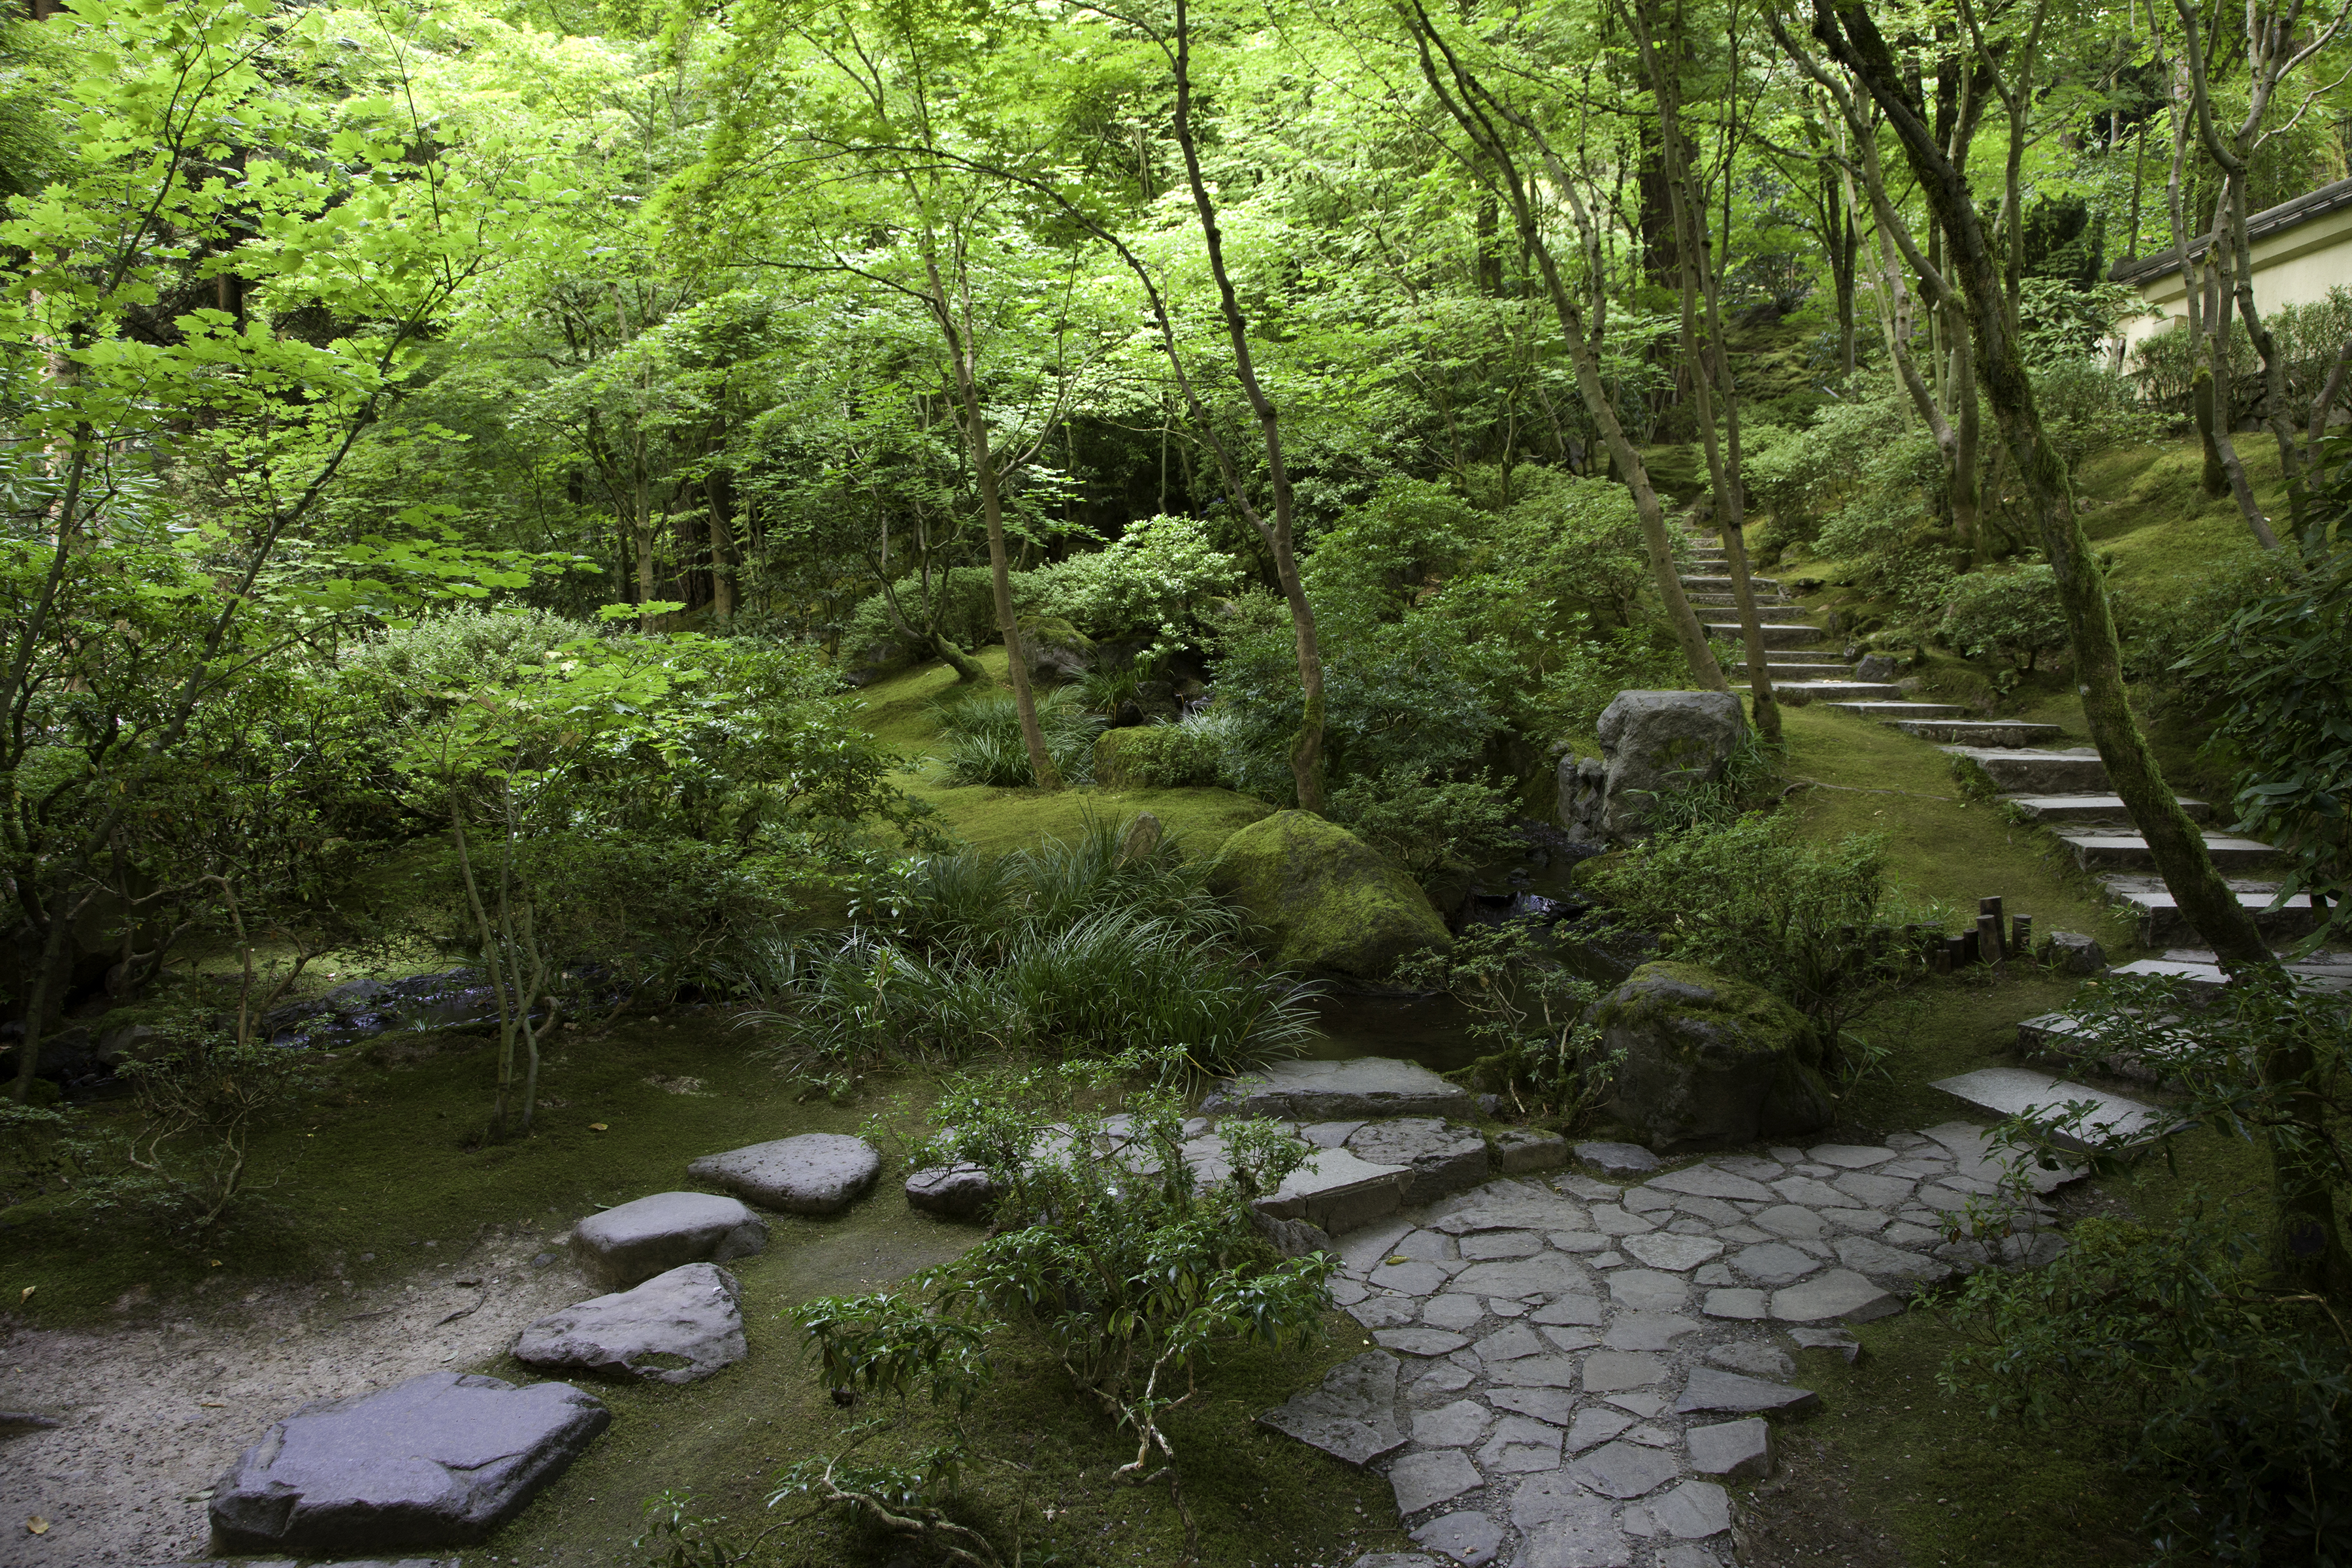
(1694,1510)
(1646,1290)
(1706,1182)
(1848,1156)
(1385,1311)
(1520,1149)
(1439,1158)
(1420,1342)
(1838,1293)
(2092,807)
(1424,1481)
(1454,1426)
(1712,1391)
(1798,693)
(1793,1223)
(1741,1450)
(1614,1372)
(1621,1469)
(1675,1254)
(440,1461)
(1648,1330)
(631,1243)
(1563,1525)
(1867,1255)
(2026,771)
(1329,1134)
(1611,1220)
(951,1192)
(1536,1372)
(1488,1246)
(676,1328)
(1441,1381)
(1837,1342)
(1753,1357)
(1361,1088)
(1518,1446)
(1452,1312)
(1553,1406)
(816,1173)
(1774,1263)
(1469,1539)
(2041,1099)
(1338,1190)
(1512,1341)
(1352,1415)
(1977,732)
(1546,1274)
(1738,1305)
(1414,1278)
(1865,1190)
(1617,1159)
(1578,1311)
(1595,1425)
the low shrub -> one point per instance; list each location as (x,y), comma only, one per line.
(983,731)
(1187,755)
(1426,824)
(2014,614)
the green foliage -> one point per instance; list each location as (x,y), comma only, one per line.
(2014,614)
(1427,825)
(2231,1400)
(2307,337)
(957,604)
(2283,667)
(416,668)
(983,731)
(1750,898)
(1545,1051)
(1151,581)
(1187,755)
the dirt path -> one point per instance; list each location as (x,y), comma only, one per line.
(151,1413)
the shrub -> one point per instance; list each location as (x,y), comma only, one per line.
(407,670)
(1752,900)
(1187,755)
(983,731)
(1152,579)
(2014,614)
(962,598)
(1543,1052)
(1425,825)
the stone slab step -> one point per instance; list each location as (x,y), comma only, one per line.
(1697,584)
(1902,710)
(1776,636)
(2034,770)
(1715,602)
(2161,923)
(2206,977)
(1796,693)
(2004,732)
(1358,1089)
(2092,807)
(1830,666)
(2123,851)
(2042,1101)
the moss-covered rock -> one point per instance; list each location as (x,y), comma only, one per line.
(1156,756)
(1710,1062)
(1332,904)
(1055,649)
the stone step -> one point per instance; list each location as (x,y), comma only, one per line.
(1781,658)
(1796,693)
(1723,605)
(2008,734)
(1698,585)
(2042,1101)
(2092,807)
(1797,635)
(2041,772)
(2161,923)
(1902,710)
(2204,975)
(2120,851)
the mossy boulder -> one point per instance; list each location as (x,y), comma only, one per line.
(1054,649)
(1331,903)
(1156,756)
(1710,1062)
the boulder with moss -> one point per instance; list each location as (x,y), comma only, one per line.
(1156,756)
(1331,904)
(1054,649)
(1651,742)
(1709,1062)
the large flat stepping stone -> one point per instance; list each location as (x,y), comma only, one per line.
(1425,1479)
(816,1173)
(1440,1159)
(1618,1159)
(1338,1190)
(1713,1391)
(1838,1294)
(1563,1525)
(678,1327)
(440,1461)
(1740,1450)
(1470,1539)
(1352,1415)
(630,1243)
(2043,1100)
(1361,1089)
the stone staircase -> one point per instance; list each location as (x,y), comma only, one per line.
(2066,790)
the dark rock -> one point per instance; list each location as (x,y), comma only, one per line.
(1710,1062)
(1617,1159)
(678,1327)
(2071,953)
(1650,742)
(951,1192)
(440,1461)
(628,1245)
(1352,1415)
(1876,666)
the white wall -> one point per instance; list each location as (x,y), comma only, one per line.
(2295,268)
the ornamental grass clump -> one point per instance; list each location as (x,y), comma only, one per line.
(982,729)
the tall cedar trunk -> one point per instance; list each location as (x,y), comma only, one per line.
(2307,1249)
(1687,199)
(960,350)
(1306,746)
(1477,111)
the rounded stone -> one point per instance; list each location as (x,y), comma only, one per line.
(631,1243)
(951,1192)
(676,1328)
(816,1173)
